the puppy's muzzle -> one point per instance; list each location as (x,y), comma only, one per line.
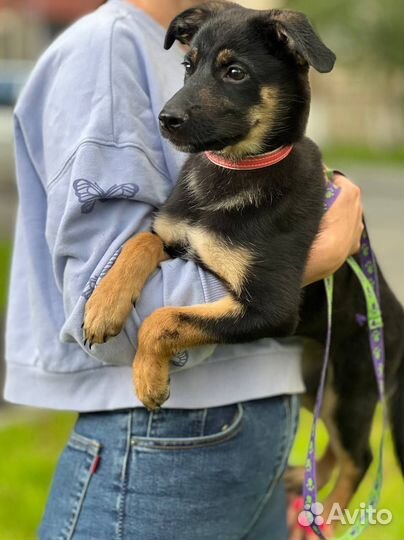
(172,121)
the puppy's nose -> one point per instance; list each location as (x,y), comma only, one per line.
(172,121)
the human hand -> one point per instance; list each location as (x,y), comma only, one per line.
(340,233)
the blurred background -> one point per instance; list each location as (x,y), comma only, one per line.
(357,118)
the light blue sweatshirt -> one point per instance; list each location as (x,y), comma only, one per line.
(92,169)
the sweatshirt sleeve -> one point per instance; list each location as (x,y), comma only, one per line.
(108,194)
(89,126)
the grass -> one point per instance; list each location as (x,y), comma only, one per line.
(30,450)
(364,154)
(393,486)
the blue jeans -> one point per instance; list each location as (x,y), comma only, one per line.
(205,474)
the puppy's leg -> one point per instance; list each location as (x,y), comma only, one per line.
(325,466)
(351,473)
(112,301)
(349,429)
(171,330)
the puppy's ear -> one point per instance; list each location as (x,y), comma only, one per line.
(186,24)
(294,30)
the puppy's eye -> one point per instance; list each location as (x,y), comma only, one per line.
(236,73)
(188,67)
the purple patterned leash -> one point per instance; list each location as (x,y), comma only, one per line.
(366,273)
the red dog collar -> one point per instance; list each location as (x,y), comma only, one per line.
(249,164)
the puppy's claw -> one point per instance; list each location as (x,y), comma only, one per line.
(156,409)
(102,322)
(154,401)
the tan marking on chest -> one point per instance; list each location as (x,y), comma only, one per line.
(191,180)
(172,231)
(228,262)
(238,201)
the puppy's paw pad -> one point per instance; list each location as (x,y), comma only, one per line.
(152,397)
(152,382)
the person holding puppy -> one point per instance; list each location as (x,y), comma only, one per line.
(92,169)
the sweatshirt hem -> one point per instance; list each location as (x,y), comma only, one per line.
(211,384)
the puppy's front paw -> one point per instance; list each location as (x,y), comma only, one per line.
(105,313)
(152,380)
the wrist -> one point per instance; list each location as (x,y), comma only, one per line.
(326,258)
(337,255)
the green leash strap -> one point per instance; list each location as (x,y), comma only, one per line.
(366,274)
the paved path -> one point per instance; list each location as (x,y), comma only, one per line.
(383,196)
(14,415)
(7,188)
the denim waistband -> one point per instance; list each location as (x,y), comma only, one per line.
(105,427)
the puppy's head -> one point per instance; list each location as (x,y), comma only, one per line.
(246,84)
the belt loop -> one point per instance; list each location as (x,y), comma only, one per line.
(203,422)
(124,478)
(149,423)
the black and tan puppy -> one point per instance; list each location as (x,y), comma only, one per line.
(247,93)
